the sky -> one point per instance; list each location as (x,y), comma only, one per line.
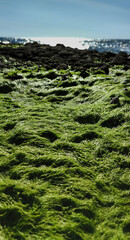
(65,18)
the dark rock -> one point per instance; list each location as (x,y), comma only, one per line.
(90,135)
(17,138)
(31,75)
(88,118)
(126,82)
(74,58)
(13,76)
(6,87)
(49,135)
(65,53)
(116,101)
(2,65)
(65,76)
(59,46)
(61,57)
(9,126)
(123,54)
(47,66)
(118,74)
(126,227)
(60,92)
(61,66)
(52,75)
(83,73)
(127,92)
(10,216)
(113,121)
(126,67)
(68,83)
(91,83)
(120,59)
(105,69)
(108,55)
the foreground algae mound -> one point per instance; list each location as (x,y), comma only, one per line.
(64,151)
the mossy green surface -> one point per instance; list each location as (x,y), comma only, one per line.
(64,155)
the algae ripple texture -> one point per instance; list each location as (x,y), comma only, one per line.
(64,150)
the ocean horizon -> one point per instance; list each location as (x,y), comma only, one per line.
(101,45)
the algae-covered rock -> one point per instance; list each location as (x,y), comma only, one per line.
(49,135)
(90,118)
(6,87)
(13,75)
(113,121)
(90,135)
(64,143)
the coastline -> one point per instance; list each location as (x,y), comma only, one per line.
(101,45)
(60,56)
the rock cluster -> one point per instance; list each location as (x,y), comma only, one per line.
(60,57)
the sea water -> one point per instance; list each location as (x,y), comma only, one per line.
(101,45)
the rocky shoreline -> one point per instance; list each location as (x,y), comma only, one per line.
(60,57)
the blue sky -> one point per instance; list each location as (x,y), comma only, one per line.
(65,18)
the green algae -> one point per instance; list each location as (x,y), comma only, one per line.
(64,148)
